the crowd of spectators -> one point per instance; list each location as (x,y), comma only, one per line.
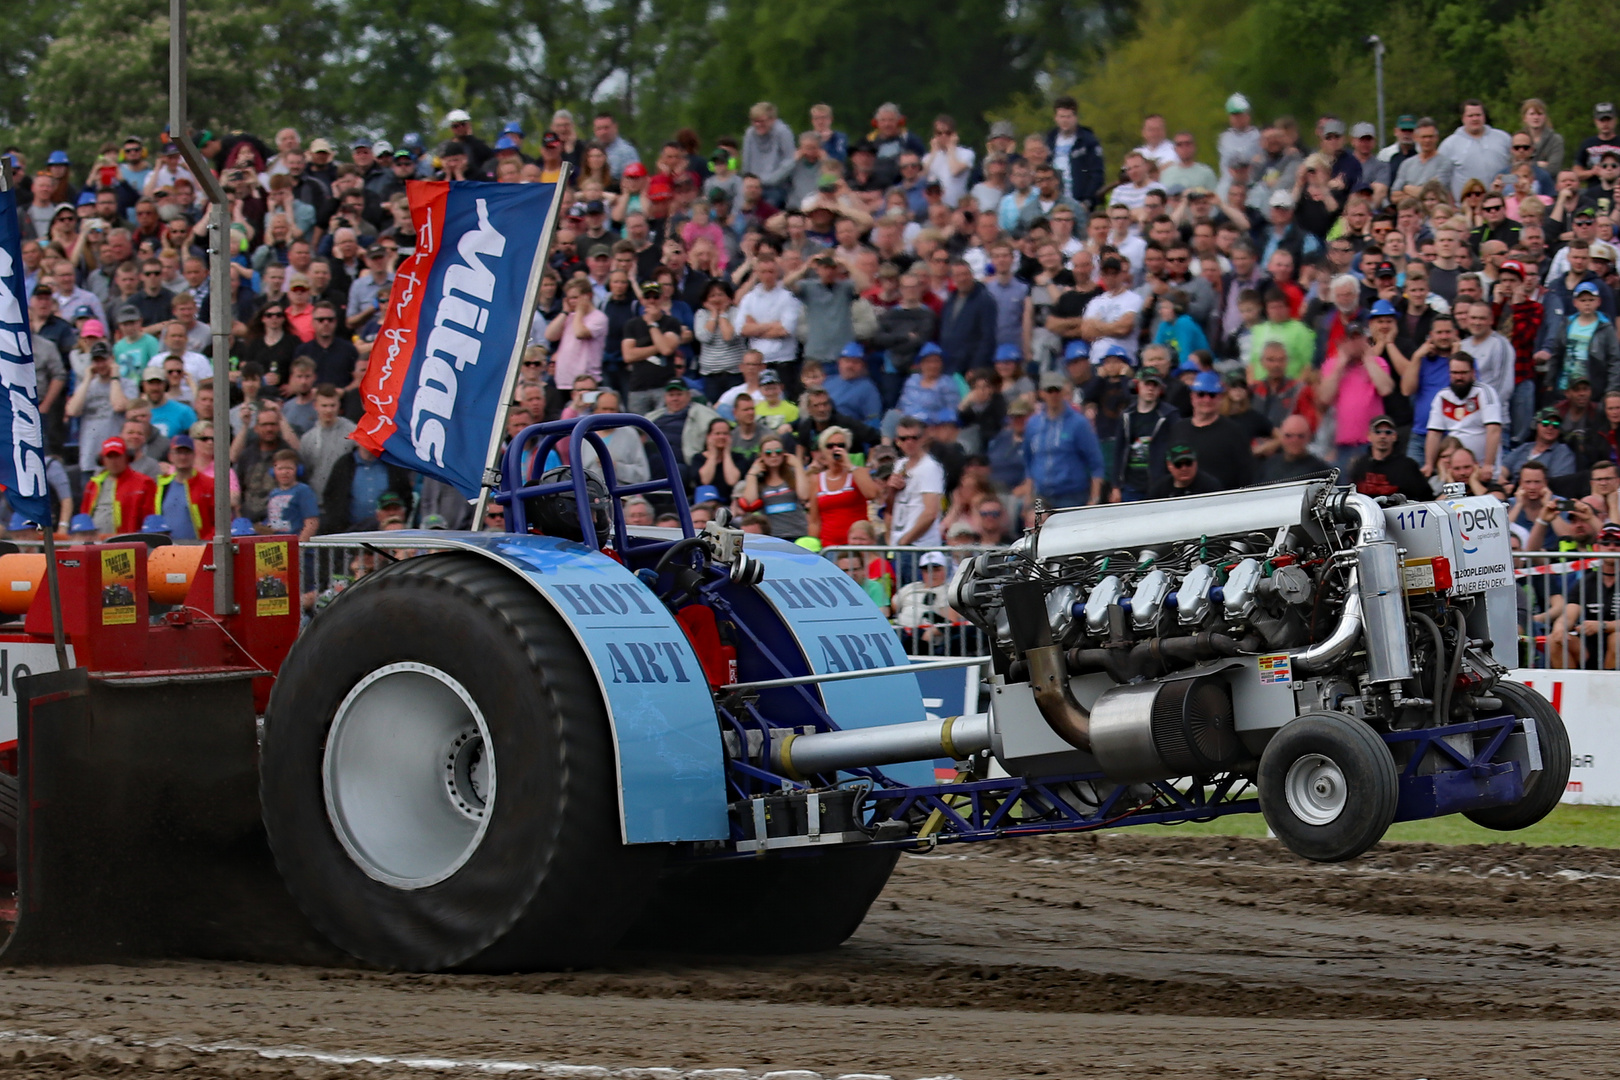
(889,338)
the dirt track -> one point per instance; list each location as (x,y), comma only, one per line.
(1151,954)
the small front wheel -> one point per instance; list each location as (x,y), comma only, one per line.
(1328,786)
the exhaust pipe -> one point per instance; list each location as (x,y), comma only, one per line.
(955,737)
(1025,604)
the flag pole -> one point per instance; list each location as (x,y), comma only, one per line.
(531,298)
(48,531)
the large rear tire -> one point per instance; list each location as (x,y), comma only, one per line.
(776,905)
(1328,786)
(1544,787)
(438,780)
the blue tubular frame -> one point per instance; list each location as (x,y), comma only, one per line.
(515,488)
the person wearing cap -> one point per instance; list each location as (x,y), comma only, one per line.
(1221,445)
(1384,470)
(170,416)
(1592,148)
(1355,381)
(1077,154)
(1183,475)
(1280,326)
(1375,172)
(99,403)
(684,422)
(477,151)
(1571,266)
(651,342)
(921,609)
(1425,165)
(1404,146)
(1282,232)
(1469,411)
(1586,632)
(118,497)
(1585,346)
(1063,462)
(1345,177)
(1240,139)
(1144,439)
(1547,448)
(852,390)
(184,497)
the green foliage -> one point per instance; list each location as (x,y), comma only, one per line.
(965,59)
(1563,53)
(25,29)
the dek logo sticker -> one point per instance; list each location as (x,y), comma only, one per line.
(1275,668)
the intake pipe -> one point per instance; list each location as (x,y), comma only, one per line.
(1025,604)
(955,737)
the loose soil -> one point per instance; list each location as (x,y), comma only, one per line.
(1138,955)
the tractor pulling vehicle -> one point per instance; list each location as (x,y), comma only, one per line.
(517,750)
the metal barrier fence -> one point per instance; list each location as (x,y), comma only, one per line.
(1569,609)
(1568,602)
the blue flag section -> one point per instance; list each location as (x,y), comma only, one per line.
(22,436)
(454,327)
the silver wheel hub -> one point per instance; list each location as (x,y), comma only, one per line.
(409,775)
(1315,789)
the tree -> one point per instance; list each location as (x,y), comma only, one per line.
(105,73)
(1561,53)
(965,59)
(25,27)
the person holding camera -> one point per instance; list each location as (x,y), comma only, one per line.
(842,491)
(777,487)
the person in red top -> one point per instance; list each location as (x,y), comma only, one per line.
(118,498)
(1521,322)
(841,492)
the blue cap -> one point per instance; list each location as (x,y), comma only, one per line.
(929,349)
(706,493)
(154,523)
(1077,348)
(854,350)
(1208,383)
(941,416)
(1588,287)
(87,197)
(241,527)
(18,523)
(506,142)
(513,128)
(1188,367)
(58,157)
(81,523)
(1009,351)
(1381,308)
(1117,350)
(411,141)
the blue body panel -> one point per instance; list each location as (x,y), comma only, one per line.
(839,629)
(672,776)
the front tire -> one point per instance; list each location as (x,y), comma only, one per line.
(1328,786)
(1544,787)
(438,781)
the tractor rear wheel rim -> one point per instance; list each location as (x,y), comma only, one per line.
(1315,789)
(409,775)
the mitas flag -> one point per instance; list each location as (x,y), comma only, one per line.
(22,436)
(455,326)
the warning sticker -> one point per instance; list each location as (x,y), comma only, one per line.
(270,571)
(1418,575)
(1275,668)
(118,587)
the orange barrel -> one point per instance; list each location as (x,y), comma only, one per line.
(170,570)
(20,577)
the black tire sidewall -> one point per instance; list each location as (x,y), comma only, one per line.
(1371,786)
(412,617)
(1543,789)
